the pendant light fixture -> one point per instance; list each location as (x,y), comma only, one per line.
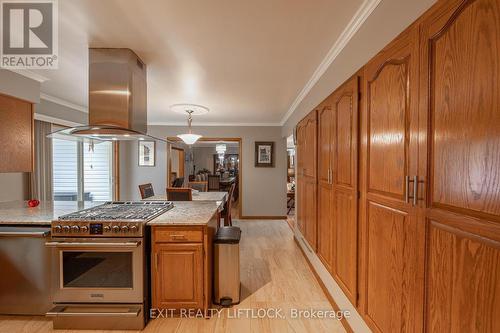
(189,138)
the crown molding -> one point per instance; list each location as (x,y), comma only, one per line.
(363,12)
(57,121)
(30,74)
(198,124)
(63,102)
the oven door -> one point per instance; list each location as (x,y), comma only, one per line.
(103,270)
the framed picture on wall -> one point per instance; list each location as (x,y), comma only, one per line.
(147,153)
(264,154)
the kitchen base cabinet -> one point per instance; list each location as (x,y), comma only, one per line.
(179,278)
(181,263)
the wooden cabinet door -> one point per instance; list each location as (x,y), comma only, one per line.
(310,146)
(310,178)
(344,182)
(16,135)
(392,297)
(460,165)
(299,205)
(325,212)
(178,276)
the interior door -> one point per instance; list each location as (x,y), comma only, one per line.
(344,182)
(325,209)
(460,165)
(391,298)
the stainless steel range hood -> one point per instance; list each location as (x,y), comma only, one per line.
(117,99)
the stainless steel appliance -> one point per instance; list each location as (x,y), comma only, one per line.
(117,98)
(26,270)
(101,278)
(227,266)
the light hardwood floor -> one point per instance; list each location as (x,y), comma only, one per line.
(274,274)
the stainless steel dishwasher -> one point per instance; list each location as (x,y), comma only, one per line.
(25,263)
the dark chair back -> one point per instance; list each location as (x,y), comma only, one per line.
(179,194)
(213,183)
(146,190)
(226,214)
(178,182)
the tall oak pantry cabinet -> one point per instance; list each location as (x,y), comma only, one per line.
(407,214)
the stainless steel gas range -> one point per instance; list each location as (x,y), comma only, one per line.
(101,272)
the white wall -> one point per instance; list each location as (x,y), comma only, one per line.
(132,175)
(387,21)
(263,189)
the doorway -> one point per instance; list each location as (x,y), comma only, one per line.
(176,165)
(210,156)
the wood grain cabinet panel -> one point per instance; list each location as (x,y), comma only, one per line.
(16,135)
(463,281)
(388,117)
(178,276)
(464,110)
(388,272)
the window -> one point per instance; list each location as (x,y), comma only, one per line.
(82,172)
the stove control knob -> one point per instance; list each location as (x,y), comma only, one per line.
(116,228)
(84,228)
(125,228)
(75,228)
(107,228)
(57,229)
(133,228)
(66,228)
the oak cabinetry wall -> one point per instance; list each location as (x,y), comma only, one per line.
(427,221)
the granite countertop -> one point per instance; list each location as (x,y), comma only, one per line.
(18,212)
(188,213)
(183,213)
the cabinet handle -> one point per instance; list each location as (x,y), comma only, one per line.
(178,236)
(407,188)
(156,260)
(415,190)
(413,180)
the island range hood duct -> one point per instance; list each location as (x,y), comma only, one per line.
(117,99)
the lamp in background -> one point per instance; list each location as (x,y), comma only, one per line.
(189,138)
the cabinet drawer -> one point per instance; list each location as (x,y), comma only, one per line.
(178,235)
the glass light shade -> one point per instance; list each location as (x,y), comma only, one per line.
(220,148)
(189,138)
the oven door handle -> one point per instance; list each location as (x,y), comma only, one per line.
(94,244)
(61,311)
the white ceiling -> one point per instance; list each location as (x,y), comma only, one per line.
(245,60)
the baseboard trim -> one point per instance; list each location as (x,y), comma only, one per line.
(343,321)
(262,217)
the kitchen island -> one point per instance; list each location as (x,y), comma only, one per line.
(182,255)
